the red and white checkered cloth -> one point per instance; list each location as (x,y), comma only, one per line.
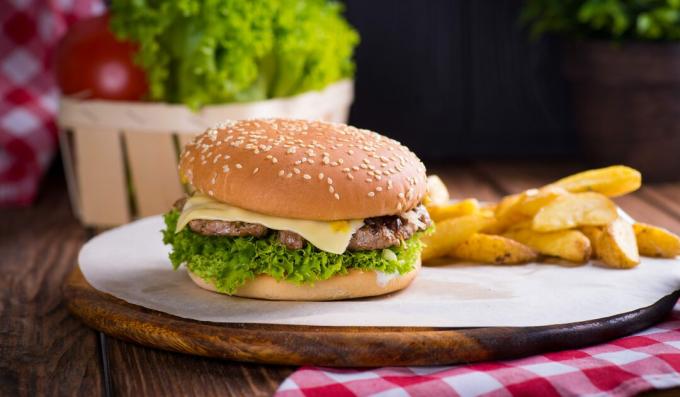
(623,367)
(29,32)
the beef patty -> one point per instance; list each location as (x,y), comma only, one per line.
(376,233)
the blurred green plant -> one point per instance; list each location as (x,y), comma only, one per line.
(649,20)
(200,52)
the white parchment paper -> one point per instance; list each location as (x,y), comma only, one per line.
(130,262)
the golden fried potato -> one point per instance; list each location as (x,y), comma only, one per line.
(439,212)
(611,181)
(535,199)
(656,241)
(593,233)
(571,245)
(616,246)
(506,214)
(576,209)
(486,248)
(437,192)
(451,232)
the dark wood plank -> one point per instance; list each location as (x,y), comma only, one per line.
(140,371)
(664,195)
(458,79)
(43,349)
(327,346)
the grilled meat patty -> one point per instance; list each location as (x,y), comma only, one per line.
(376,233)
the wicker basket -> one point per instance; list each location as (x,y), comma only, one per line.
(121,157)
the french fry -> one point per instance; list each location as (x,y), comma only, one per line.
(437,193)
(535,199)
(611,181)
(451,232)
(486,248)
(572,210)
(439,212)
(506,214)
(616,246)
(571,245)
(593,233)
(656,241)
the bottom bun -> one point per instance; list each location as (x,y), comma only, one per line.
(355,284)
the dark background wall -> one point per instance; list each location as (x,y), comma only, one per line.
(457,79)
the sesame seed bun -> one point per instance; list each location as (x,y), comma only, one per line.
(304,169)
(355,284)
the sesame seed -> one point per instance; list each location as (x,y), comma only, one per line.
(307,176)
(256,170)
(225,168)
(329,180)
(320,175)
(275,160)
(282,172)
(334,164)
(378,189)
(290,174)
(331,189)
(371,194)
(337,196)
(401,195)
(350,177)
(363,166)
(296,170)
(369,180)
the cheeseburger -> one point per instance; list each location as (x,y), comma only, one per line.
(298,210)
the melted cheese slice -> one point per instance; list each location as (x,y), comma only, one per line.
(332,237)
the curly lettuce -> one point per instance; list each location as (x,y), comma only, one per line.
(199,52)
(231,261)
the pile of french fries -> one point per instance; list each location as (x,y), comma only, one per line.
(572,219)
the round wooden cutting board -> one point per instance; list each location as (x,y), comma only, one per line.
(343,346)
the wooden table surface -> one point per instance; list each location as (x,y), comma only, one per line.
(44,350)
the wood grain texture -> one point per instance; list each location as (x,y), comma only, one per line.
(458,79)
(343,346)
(141,371)
(43,349)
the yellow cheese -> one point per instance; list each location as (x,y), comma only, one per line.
(332,237)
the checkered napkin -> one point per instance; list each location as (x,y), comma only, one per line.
(624,367)
(29,31)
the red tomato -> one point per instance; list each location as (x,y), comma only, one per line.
(92,63)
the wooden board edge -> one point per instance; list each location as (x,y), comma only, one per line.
(343,346)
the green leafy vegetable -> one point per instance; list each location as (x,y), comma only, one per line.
(200,52)
(655,20)
(231,261)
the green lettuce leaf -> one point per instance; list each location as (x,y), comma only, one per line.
(200,52)
(231,261)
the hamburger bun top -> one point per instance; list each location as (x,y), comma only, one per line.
(304,169)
